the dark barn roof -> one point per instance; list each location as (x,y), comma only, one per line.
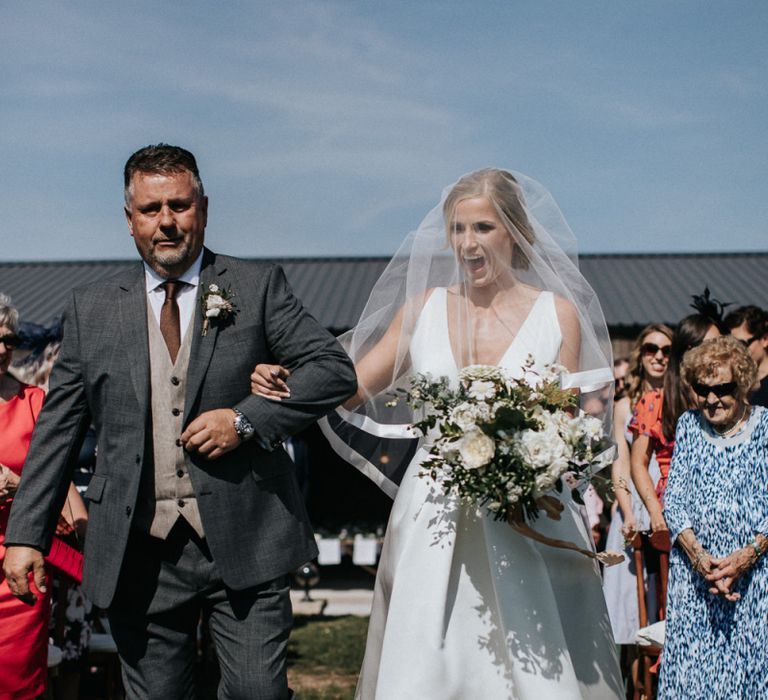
(634,289)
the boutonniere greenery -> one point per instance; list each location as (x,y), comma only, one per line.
(217,305)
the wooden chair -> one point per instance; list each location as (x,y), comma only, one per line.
(658,544)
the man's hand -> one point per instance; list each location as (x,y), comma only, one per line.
(9,483)
(19,561)
(212,433)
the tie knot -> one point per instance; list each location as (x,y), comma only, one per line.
(171,288)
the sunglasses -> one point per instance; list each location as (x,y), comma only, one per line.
(719,390)
(652,349)
(11,341)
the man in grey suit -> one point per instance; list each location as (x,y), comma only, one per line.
(194,504)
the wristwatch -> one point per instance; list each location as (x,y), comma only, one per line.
(243,427)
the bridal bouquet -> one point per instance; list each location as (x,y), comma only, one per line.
(505,442)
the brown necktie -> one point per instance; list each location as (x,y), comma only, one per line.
(170,325)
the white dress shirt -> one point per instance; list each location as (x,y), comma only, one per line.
(186,297)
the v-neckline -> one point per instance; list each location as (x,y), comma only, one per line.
(511,343)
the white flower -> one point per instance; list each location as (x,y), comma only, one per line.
(592,426)
(571,429)
(540,449)
(482,372)
(551,373)
(544,483)
(514,491)
(476,449)
(481,390)
(467,415)
(214,305)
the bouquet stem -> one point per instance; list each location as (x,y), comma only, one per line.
(607,558)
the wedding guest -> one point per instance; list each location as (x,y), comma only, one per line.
(716,506)
(647,365)
(749,324)
(24,629)
(620,369)
(655,417)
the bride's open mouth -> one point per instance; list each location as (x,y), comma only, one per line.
(474,263)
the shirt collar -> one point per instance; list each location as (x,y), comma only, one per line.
(191,276)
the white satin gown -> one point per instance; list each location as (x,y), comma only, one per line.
(464,607)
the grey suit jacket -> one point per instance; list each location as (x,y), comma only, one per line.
(253,514)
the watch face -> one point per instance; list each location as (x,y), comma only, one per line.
(243,426)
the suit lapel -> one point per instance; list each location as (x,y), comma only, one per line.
(202,345)
(132,307)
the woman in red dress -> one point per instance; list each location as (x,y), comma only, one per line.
(23,627)
(655,418)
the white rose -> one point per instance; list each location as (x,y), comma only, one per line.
(476,449)
(466,415)
(213,288)
(544,482)
(212,313)
(541,448)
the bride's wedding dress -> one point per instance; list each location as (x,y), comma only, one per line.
(464,606)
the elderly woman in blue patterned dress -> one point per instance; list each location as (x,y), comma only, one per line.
(716,507)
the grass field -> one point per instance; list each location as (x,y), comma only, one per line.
(324,656)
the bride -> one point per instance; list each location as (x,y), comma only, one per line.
(464,606)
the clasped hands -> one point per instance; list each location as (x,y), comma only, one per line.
(723,572)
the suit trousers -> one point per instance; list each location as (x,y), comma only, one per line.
(164,587)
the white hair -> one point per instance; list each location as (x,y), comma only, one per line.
(9,314)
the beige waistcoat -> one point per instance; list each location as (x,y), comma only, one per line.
(173,492)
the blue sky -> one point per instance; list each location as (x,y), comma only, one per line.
(330,128)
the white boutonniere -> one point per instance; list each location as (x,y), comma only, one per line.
(217,304)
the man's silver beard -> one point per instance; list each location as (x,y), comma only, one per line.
(170,259)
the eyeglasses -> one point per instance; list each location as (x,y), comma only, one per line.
(11,341)
(719,390)
(652,349)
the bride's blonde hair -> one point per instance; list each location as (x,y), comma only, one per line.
(505,194)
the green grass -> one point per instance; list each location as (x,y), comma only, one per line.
(324,656)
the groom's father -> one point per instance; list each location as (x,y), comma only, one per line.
(194,504)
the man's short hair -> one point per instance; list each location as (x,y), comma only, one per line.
(755,318)
(161,158)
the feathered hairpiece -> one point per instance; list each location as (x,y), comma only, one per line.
(712,309)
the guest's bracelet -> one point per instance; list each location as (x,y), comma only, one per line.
(756,547)
(698,559)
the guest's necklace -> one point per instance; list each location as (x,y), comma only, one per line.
(732,429)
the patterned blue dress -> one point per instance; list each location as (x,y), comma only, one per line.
(719,488)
